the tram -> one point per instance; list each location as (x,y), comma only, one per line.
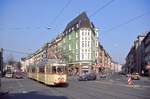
(49,73)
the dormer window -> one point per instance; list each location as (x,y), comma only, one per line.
(69,30)
(72,28)
(77,25)
(66,32)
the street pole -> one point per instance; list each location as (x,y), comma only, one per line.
(1,62)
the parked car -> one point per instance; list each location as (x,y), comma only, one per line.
(135,76)
(8,74)
(18,74)
(88,76)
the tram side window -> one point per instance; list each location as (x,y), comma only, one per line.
(41,70)
(53,69)
(65,69)
(49,70)
(28,69)
(33,70)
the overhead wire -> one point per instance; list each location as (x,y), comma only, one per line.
(128,21)
(61,11)
(99,9)
(52,23)
(15,51)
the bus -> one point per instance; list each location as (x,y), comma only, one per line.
(49,73)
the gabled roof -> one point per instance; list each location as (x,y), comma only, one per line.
(82,20)
(147,35)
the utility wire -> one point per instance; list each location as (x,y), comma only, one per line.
(104,6)
(15,51)
(21,28)
(127,22)
(61,11)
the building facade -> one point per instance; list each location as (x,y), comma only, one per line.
(77,46)
(104,61)
(80,43)
(137,59)
(146,43)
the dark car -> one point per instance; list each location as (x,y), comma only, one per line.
(88,76)
(18,74)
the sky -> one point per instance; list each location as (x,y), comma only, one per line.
(24,23)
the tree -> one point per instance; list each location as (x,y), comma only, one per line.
(10,60)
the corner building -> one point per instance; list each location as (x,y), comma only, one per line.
(80,44)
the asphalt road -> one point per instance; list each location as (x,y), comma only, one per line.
(101,89)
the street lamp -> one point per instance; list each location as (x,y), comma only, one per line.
(49,28)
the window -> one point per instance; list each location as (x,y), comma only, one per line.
(41,70)
(77,25)
(82,50)
(60,69)
(53,69)
(82,33)
(69,30)
(88,43)
(72,28)
(48,70)
(69,57)
(85,33)
(82,43)
(76,34)
(66,32)
(85,43)
(33,69)
(85,50)
(76,57)
(69,47)
(82,38)
(85,38)
(64,40)
(96,44)
(82,56)
(89,56)
(76,45)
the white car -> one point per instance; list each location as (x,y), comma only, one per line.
(8,75)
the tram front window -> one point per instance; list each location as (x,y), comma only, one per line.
(61,69)
(54,69)
(58,69)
